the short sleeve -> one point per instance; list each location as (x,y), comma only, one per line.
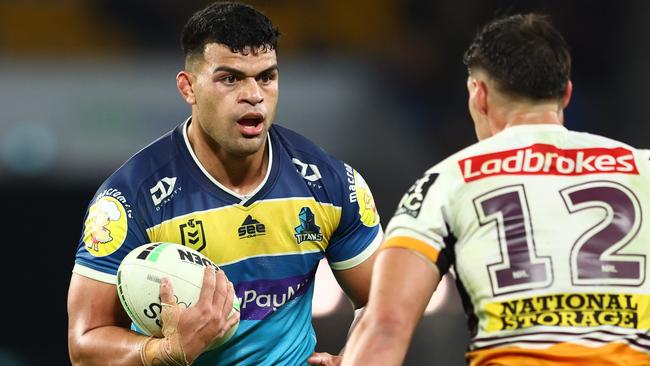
(420,223)
(111,229)
(359,232)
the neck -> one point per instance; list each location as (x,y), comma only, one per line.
(526,114)
(241,174)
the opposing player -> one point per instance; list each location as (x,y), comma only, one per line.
(543,227)
(261,201)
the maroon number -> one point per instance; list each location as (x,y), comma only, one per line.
(595,257)
(520,267)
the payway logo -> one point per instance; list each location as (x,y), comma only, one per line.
(543,159)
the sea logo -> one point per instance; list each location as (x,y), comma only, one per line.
(251,228)
(307,230)
(308,171)
(105,227)
(163,189)
(193,235)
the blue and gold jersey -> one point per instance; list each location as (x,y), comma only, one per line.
(309,206)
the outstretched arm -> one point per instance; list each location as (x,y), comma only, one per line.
(402,284)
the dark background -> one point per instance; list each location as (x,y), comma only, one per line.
(379,84)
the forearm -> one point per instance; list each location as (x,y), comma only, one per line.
(106,345)
(378,343)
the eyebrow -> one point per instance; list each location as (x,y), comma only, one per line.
(240,73)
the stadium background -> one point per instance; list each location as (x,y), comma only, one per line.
(379,84)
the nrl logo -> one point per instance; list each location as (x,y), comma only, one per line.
(193,235)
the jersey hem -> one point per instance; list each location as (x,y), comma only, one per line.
(94,274)
(361,257)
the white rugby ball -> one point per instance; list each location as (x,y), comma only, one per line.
(138,283)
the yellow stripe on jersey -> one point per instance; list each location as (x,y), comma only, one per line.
(415,244)
(226,242)
(569,310)
(562,354)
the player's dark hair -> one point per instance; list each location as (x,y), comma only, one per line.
(237,26)
(525,54)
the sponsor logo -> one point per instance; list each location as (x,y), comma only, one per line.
(163,191)
(307,230)
(543,159)
(115,193)
(367,208)
(193,235)
(261,298)
(193,258)
(105,228)
(308,171)
(349,172)
(251,228)
(411,203)
(570,310)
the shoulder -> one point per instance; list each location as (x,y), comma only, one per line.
(311,161)
(143,166)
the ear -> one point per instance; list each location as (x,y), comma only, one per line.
(184,82)
(478,95)
(566,98)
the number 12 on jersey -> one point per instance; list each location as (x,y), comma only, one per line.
(594,257)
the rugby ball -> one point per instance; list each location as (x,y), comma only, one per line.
(138,283)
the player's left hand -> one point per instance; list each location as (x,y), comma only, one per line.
(324,359)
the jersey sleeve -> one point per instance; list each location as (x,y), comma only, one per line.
(420,222)
(111,229)
(359,232)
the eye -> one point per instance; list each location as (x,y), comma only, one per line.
(229,79)
(267,78)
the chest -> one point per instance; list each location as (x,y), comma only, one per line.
(233,233)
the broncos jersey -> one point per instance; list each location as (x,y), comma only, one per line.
(547,234)
(269,244)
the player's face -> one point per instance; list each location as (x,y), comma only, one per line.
(235,97)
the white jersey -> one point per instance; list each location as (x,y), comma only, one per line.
(547,233)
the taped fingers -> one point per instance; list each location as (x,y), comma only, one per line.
(166,291)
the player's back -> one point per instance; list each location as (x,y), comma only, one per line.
(547,233)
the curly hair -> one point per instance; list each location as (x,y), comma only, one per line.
(237,26)
(525,54)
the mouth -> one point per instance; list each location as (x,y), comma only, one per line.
(251,124)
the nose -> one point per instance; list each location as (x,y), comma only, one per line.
(251,92)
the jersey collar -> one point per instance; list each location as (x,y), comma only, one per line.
(210,183)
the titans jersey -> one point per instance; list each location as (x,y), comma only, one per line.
(546,232)
(310,206)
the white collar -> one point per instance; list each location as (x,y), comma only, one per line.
(242,197)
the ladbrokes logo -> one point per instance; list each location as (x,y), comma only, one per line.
(570,310)
(543,159)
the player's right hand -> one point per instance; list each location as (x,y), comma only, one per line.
(194,328)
